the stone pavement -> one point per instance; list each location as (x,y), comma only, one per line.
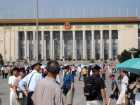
(4,92)
(79,98)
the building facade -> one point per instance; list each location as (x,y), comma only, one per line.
(69,39)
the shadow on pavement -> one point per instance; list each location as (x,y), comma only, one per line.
(0,101)
(1,94)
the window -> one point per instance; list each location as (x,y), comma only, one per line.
(88,44)
(21,35)
(46,35)
(47,43)
(29,35)
(96,34)
(114,34)
(56,43)
(39,35)
(79,44)
(139,33)
(105,34)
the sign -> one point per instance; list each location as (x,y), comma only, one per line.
(67,26)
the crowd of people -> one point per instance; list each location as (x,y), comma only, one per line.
(54,84)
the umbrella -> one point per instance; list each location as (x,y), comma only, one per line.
(131,65)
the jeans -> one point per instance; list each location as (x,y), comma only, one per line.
(29,98)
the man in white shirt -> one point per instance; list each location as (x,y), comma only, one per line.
(29,82)
(12,85)
(124,83)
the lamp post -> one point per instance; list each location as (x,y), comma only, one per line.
(132,51)
(36,13)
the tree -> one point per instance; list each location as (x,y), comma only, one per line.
(126,54)
(1,60)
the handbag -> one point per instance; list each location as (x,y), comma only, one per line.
(20,94)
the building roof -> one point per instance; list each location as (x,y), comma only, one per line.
(72,20)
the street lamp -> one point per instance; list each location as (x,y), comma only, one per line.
(36,13)
(132,51)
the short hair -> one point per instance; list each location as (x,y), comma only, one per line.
(52,63)
(124,71)
(53,66)
(112,75)
(14,69)
(96,68)
(67,67)
(22,70)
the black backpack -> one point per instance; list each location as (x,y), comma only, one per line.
(90,88)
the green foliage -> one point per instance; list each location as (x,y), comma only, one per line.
(126,54)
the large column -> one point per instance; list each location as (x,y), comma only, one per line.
(17,45)
(34,45)
(25,44)
(92,45)
(37,44)
(42,45)
(45,47)
(51,45)
(101,45)
(28,50)
(84,45)
(74,45)
(61,45)
(110,45)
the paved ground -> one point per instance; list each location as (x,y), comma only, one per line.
(79,98)
(4,92)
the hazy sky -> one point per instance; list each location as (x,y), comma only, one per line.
(69,8)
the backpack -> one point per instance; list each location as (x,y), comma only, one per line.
(90,88)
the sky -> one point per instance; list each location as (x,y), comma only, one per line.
(69,8)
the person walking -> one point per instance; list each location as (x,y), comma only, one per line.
(68,86)
(2,71)
(21,98)
(122,100)
(12,85)
(6,71)
(114,89)
(84,72)
(48,91)
(28,83)
(95,89)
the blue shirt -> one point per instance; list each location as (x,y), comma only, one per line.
(67,80)
(30,81)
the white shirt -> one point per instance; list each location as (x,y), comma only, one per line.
(124,83)
(79,69)
(30,81)
(11,81)
(2,68)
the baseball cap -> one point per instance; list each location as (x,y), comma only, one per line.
(35,64)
